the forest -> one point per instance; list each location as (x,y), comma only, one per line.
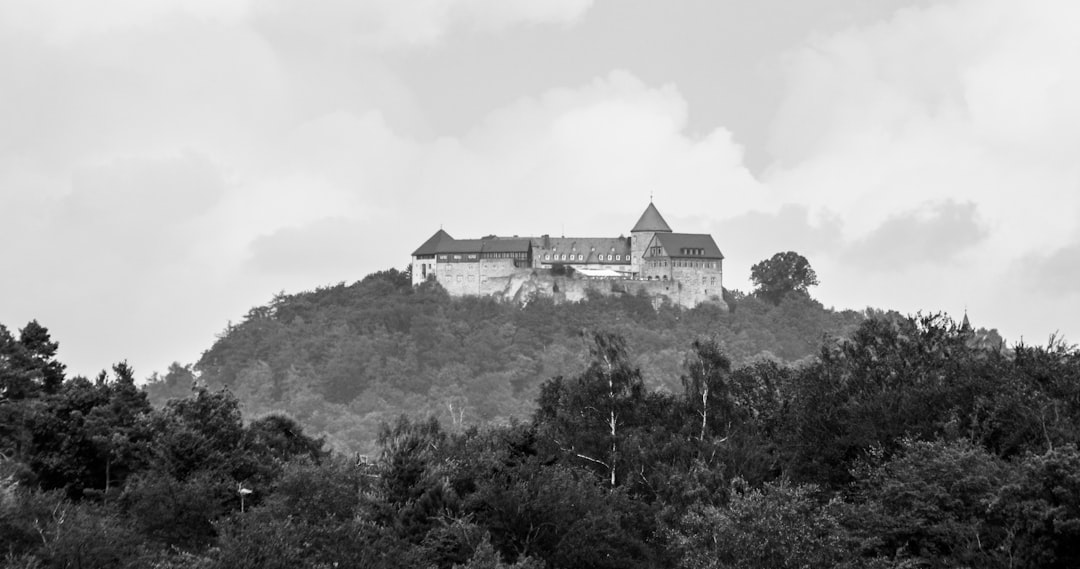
(344,359)
(607,433)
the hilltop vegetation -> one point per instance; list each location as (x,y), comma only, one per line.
(914,442)
(344,359)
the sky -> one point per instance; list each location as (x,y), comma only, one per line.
(166,165)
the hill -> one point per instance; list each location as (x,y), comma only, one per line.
(913,442)
(343,359)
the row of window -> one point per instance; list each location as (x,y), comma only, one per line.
(556,257)
(685,264)
(458,257)
(704,280)
(693,251)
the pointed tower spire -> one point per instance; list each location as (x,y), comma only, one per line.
(965,325)
(651,220)
(647,227)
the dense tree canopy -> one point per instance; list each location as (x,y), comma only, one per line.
(910,442)
(781,275)
(344,359)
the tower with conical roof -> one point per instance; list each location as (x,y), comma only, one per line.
(650,223)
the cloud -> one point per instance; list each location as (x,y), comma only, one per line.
(163,190)
(968,101)
(385,24)
(364,23)
(581,159)
(1055,273)
(180,162)
(934,234)
(789,228)
(944,139)
(315,249)
(63,21)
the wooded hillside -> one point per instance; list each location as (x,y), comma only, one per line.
(915,442)
(344,359)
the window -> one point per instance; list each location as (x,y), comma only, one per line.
(547,256)
(564,256)
(618,257)
(581,257)
(459,278)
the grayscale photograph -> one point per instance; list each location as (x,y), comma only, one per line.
(539,284)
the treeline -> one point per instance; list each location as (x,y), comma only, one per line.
(344,359)
(913,443)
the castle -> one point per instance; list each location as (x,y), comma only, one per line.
(684,268)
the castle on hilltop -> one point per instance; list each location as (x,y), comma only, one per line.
(685,268)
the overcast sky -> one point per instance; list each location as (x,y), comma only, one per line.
(165,165)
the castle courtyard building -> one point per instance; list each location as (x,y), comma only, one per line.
(685,268)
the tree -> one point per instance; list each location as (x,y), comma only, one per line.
(1040,512)
(28,365)
(706,385)
(779,526)
(928,506)
(588,416)
(87,435)
(782,274)
(177,383)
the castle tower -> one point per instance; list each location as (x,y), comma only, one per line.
(650,223)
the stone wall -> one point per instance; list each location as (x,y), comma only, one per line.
(521,284)
(699,282)
(459,279)
(422,268)
(496,273)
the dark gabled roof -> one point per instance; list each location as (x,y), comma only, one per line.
(651,220)
(431,246)
(675,243)
(441,242)
(583,244)
(461,246)
(589,247)
(506,245)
